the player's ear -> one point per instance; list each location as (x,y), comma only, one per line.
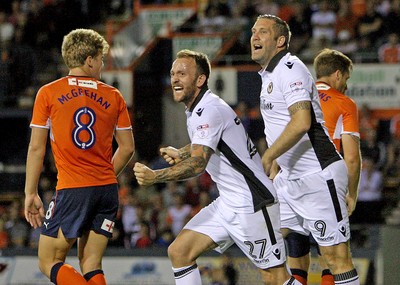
(201,79)
(338,74)
(281,42)
(88,61)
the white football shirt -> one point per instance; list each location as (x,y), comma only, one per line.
(286,81)
(235,166)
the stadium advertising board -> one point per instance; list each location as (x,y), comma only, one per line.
(23,270)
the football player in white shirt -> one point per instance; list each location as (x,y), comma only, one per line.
(246,212)
(312,181)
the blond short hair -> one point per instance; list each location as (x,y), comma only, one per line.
(81,43)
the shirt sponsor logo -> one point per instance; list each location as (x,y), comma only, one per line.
(107,225)
(296,86)
(266,105)
(72,81)
(87,83)
(82,83)
(202,131)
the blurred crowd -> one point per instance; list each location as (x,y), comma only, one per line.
(366,30)
(31,32)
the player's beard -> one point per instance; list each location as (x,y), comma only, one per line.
(189,92)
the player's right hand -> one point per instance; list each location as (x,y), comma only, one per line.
(144,175)
(34,211)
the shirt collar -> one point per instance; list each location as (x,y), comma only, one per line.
(275,60)
(198,98)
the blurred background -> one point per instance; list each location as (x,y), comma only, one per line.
(144,38)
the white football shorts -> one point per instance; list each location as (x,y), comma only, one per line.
(316,204)
(257,234)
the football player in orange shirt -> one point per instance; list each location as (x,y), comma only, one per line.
(332,70)
(82,115)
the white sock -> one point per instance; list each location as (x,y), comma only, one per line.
(187,275)
(347,278)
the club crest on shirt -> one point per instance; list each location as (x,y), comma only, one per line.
(270,88)
(202,131)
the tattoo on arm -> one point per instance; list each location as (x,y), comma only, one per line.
(302,105)
(184,152)
(194,164)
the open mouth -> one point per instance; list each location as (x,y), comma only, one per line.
(257,47)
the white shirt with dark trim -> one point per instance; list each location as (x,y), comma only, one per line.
(286,81)
(235,166)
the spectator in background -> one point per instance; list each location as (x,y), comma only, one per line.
(323,22)
(366,52)
(301,27)
(371,24)
(165,239)
(373,148)
(144,239)
(192,191)
(392,19)
(130,215)
(23,65)
(345,43)
(204,200)
(369,203)
(383,7)
(4,237)
(358,7)
(288,9)
(392,167)
(6,30)
(266,7)
(157,215)
(346,19)
(168,192)
(16,226)
(178,214)
(390,52)
(314,47)
(212,21)
(230,272)
(395,126)
(367,120)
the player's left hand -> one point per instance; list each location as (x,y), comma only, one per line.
(144,175)
(267,163)
(351,204)
(274,170)
(34,211)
